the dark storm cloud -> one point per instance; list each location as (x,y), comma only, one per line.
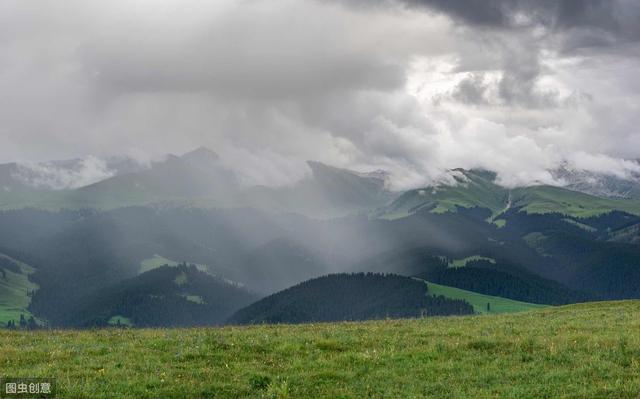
(608,15)
(471,90)
(567,26)
(591,22)
(518,85)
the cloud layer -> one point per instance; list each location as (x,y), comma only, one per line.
(414,87)
(68,175)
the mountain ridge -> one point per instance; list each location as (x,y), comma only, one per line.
(199,179)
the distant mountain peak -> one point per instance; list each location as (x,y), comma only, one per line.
(320,169)
(201,153)
(202,158)
(598,183)
(379,174)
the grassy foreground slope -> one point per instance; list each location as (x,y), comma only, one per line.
(578,351)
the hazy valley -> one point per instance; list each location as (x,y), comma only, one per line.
(182,242)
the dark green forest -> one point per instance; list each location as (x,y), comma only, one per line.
(163,297)
(358,296)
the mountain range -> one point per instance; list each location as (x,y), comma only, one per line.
(196,179)
(183,241)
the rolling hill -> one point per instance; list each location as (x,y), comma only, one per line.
(469,189)
(492,277)
(166,296)
(340,297)
(548,199)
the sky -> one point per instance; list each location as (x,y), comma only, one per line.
(414,87)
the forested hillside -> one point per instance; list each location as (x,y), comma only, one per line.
(339,297)
(163,297)
(494,277)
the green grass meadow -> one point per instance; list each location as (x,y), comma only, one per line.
(456,263)
(480,301)
(159,261)
(579,351)
(14,293)
(547,199)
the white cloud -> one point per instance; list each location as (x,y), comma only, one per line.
(78,173)
(270,84)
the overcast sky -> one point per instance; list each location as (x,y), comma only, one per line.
(413,87)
